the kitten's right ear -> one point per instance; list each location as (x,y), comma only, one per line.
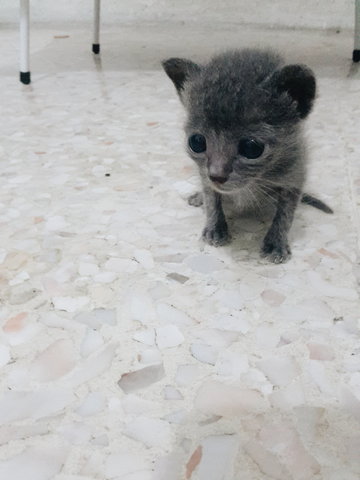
(298,81)
(180,71)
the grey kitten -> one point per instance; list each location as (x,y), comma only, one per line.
(244,114)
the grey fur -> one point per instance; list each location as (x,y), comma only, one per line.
(247,94)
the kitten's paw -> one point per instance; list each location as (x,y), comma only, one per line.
(276,252)
(196,199)
(217,236)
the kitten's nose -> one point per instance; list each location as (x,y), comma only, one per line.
(217,179)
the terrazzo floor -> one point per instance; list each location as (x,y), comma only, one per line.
(128,349)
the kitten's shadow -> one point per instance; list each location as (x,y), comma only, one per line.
(248,229)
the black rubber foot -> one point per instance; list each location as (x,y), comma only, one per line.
(25,77)
(356,56)
(96,48)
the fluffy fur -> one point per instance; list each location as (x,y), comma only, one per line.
(248,94)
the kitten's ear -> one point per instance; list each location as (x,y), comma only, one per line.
(300,84)
(179,71)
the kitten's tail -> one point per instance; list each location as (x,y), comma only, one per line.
(314,202)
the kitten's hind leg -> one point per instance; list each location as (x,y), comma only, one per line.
(196,199)
(275,246)
(216,232)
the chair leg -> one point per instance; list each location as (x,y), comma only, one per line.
(96,40)
(356,52)
(25,76)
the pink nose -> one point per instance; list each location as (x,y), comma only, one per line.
(217,179)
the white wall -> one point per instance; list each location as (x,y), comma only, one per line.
(286,13)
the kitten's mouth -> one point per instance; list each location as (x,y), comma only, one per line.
(221,187)
(229,187)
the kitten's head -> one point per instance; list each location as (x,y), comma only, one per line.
(243,111)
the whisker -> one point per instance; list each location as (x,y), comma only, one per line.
(264,190)
(255,201)
(267,181)
(249,195)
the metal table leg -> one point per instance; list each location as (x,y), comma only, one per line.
(25,76)
(356,52)
(96,42)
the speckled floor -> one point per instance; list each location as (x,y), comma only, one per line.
(129,350)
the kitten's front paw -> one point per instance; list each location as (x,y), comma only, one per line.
(196,199)
(276,252)
(217,235)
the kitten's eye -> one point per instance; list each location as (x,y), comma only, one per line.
(250,148)
(197,143)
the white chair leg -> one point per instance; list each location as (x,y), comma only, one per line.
(96,37)
(356,52)
(24,42)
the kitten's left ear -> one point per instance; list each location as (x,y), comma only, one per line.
(179,71)
(298,81)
